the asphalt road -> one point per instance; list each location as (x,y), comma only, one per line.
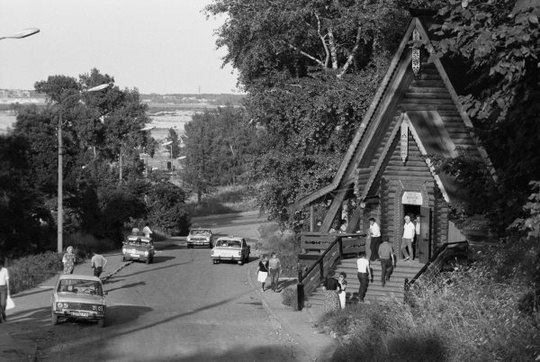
(182,307)
(179,308)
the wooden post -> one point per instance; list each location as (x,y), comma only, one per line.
(300,288)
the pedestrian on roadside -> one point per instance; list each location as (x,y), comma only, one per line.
(262,271)
(274,267)
(4,289)
(98,263)
(364,275)
(375,234)
(409,230)
(388,261)
(68,260)
(147,231)
(331,289)
(342,281)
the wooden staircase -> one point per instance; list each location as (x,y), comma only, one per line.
(394,288)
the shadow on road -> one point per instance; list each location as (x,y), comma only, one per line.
(121,314)
(150,269)
(126,286)
(162,258)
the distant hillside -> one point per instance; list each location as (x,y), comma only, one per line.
(156,102)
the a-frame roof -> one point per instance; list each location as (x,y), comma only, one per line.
(389,89)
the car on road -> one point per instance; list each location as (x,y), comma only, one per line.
(230,248)
(138,248)
(79,297)
(200,237)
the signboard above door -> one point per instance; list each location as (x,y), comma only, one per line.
(412,198)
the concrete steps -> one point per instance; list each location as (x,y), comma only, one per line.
(394,288)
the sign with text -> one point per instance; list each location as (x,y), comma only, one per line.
(404,146)
(412,198)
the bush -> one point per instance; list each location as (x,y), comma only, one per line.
(290,297)
(29,271)
(477,313)
(83,244)
(285,244)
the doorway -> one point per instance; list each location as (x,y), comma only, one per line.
(413,211)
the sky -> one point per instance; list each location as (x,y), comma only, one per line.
(156,46)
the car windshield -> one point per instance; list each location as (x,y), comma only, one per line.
(80,286)
(229,243)
(200,232)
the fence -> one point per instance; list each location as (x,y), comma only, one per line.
(326,250)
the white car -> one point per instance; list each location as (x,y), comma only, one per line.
(200,237)
(230,248)
(79,297)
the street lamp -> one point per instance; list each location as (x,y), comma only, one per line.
(60,223)
(21,34)
(169,143)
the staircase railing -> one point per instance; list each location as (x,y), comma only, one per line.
(332,248)
(436,263)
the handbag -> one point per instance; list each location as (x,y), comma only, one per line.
(10,304)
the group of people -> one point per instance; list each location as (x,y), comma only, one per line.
(269,267)
(410,232)
(98,262)
(376,251)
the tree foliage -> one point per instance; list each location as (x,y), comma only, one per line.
(97,128)
(219,148)
(310,69)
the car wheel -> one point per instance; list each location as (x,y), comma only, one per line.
(101,323)
(123,258)
(54,319)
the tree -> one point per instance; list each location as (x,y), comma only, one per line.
(166,208)
(310,69)
(97,127)
(219,148)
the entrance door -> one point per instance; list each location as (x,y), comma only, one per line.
(423,242)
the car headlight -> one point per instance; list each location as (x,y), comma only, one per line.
(124,250)
(146,253)
(59,305)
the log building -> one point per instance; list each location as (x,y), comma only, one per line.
(386,172)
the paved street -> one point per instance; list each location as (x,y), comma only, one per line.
(181,307)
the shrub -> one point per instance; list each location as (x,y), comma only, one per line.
(29,271)
(285,244)
(290,297)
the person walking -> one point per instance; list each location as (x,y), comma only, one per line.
(375,236)
(364,274)
(331,297)
(409,230)
(388,261)
(147,231)
(98,263)
(68,260)
(262,271)
(4,289)
(342,281)
(274,267)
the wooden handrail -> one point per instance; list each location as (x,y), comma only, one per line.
(432,261)
(320,259)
